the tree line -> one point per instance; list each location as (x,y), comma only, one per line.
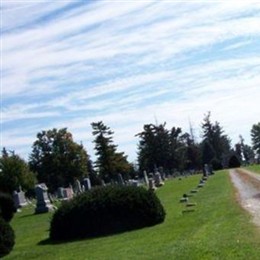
(58,160)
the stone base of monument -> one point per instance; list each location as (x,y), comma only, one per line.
(191,204)
(184,199)
(188,210)
(44,208)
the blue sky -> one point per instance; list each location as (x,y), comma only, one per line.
(127,63)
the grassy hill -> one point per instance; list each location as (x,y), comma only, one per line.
(218,229)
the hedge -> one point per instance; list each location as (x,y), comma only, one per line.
(106,210)
(7,206)
(6,238)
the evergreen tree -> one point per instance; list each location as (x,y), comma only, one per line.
(109,162)
(57,159)
(215,145)
(193,157)
(170,149)
(153,148)
(255,135)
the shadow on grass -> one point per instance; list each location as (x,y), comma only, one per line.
(49,241)
(28,215)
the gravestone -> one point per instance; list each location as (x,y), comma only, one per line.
(86,184)
(68,193)
(134,183)
(19,199)
(161,171)
(151,184)
(60,193)
(43,203)
(77,187)
(158,180)
(120,179)
(206,170)
(146,181)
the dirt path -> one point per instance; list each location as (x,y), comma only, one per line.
(248,186)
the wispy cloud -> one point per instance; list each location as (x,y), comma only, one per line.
(70,63)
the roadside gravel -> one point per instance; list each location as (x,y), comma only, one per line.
(248,187)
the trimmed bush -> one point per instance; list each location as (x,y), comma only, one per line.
(6,238)
(106,210)
(7,207)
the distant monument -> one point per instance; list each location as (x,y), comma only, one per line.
(43,203)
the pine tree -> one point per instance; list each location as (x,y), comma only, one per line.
(109,162)
(255,135)
(215,144)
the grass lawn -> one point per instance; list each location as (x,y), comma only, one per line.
(218,229)
(254,168)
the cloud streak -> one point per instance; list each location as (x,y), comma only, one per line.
(70,63)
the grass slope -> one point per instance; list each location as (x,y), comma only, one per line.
(218,229)
(254,168)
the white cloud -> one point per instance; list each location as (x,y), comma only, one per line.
(128,63)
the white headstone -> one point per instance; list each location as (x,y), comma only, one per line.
(158,180)
(146,178)
(87,184)
(77,187)
(120,179)
(19,199)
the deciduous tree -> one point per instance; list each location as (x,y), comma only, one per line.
(14,173)
(57,159)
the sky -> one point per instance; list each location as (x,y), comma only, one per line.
(127,63)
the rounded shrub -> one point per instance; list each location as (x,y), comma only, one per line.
(106,210)
(6,238)
(7,206)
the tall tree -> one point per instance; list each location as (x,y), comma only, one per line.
(193,155)
(109,162)
(154,147)
(216,145)
(57,159)
(255,135)
(14,173)
(170,149)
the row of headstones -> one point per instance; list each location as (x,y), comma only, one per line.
(185,198)
(154,180)
(43,203)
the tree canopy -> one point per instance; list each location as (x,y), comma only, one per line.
(215,144)
(170,149)
(57,159)
(109,162)
(255,135)
(14,173)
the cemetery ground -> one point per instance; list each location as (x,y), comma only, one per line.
(219,228)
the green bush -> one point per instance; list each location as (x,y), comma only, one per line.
(6,238)
(106,210)
(7,207)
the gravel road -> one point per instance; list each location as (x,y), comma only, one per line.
(248,186)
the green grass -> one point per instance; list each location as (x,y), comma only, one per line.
(218,229)
(254,168)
